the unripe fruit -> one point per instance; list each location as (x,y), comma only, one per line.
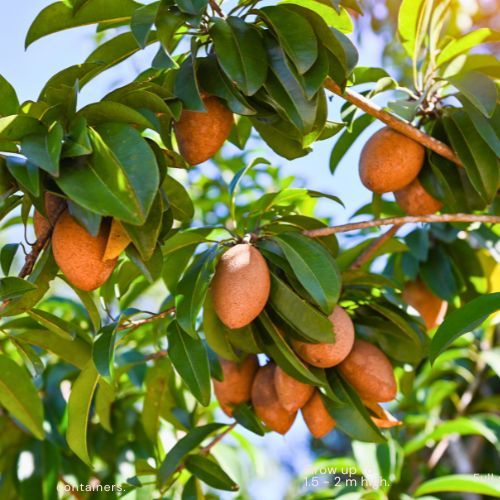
(236,387)
(326,355)
(430,307)
(79,254)
(316,416)
(241,286)
(390,161)
(370,372)
(266,404)
(53,204)
(201,134)
(292,394)
(415,200)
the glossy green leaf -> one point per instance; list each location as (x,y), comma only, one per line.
(338,19)
(103,350)
(142,22)
(245,416)
(192,490)
(107,111)
(53,323)
(104,398)
(314,267)
(192,7)
(7,255)
(480,90)
(463,320)
(240,52)
(10,103)
(60,16)
(44,150)
(179,200)
(190,360)
(186,86)
(462,45)
(295,35)
(408,23)
(13,288)
(462,483)
(210,472)
(15,127)
(19,396)
(79,403)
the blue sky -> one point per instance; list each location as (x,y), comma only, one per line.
(29,70)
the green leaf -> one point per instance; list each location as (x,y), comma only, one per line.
(463,320)
(464,483)
(44,150)
(210,472)
(53,323)
(150,268)
(13,288)
(192,7)
(142,22)
(314,267)
(19,396)
(121,177)
(437,273)
(60,16)
(186,85)
(246,417)
(340,19)
(299,314)
(26,174)
(295,35)
(9,103)
(240,52)
(349,412)
(192,490)
(190,360)
(104,398)
(15,127)
(479,89)
(274,344)
(7,255)
(105,112)
(408,23)
(183,446)
(462,45)
(192,290)
(103,349)
(79,403)
(179,200)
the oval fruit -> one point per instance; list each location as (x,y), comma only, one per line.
(429,306)
(292,394)
(390,161)
(236,387)
(241,286)
(415,200)
(316,416)
(326,355)
(370,372)
(79,254)
(266,404)
(201,134)
(53,204)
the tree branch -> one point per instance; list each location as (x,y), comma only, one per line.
(216,8)
(367,254)
(150,319)
(399,221)
(394,122)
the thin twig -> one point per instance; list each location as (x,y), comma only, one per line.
(394,122)
(145,321)
(215,6)
(399,221)
(206,449)
(368,253)
(40,243)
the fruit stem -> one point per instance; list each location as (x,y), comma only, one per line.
(376,244)
(399,221)
(394,122)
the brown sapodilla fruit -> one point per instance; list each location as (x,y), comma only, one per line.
(430,307)
(415,200)
(326,355)
(241,285)
(316,416)
(292,394)
(236,387)
(390,161)
(79,254)
(370,372)
(53,204)
(201,134)
(266,403)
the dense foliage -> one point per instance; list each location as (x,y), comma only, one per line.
(101,390)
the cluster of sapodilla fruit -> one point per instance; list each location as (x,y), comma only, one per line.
(240,290)
(241,284)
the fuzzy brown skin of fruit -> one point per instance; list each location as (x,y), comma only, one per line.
(316,416)
(292,394)
(241,286)
(79,254)
(415,200)
(390,161)
(201,134)
(431,307)
(370,372)
(236,387)
(52,205)
(326,355)
(266,404)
